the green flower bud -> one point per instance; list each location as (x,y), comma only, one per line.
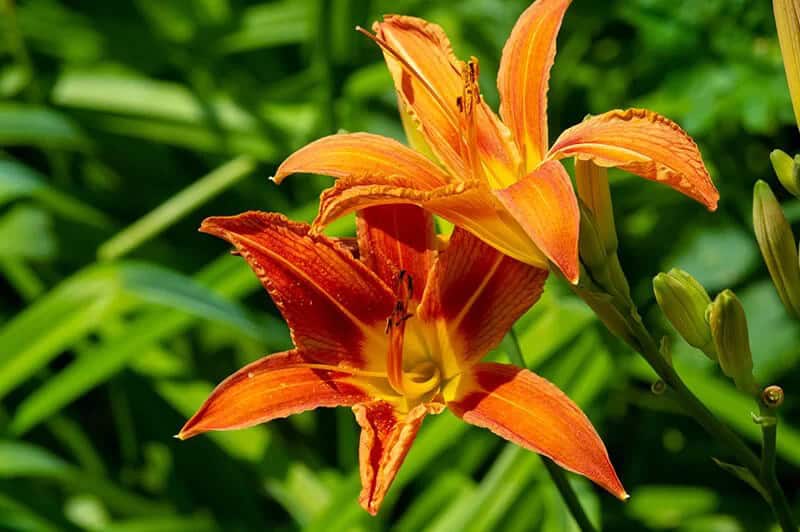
(684,302)
(776,240)
(592,251)
(729,330)
(787,21)
(593,190)
(787,170)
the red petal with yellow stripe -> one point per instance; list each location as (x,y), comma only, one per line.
(397,238)
(273,387)
(386,438)
(332,303)
(478,293)
(526,409)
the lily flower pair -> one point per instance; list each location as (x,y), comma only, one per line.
(395,325)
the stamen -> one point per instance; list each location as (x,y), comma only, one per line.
(467,104)
(395,328)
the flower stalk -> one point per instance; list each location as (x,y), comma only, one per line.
(556,473)
(605,289)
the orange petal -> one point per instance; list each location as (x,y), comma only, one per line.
(544,204)
(397,238)
(524,74)
(273,387)
(332,303)
(386,437)
(427,76)
(361,154)
(643,143)
(470,205)
(526,409)
(478,293)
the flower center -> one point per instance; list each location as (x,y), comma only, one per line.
(421,379)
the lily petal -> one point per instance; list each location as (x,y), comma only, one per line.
(524,73)
(427,76)
(526,409)
(644,143)
(273,387)
(469,204)
(386,437)
(478,293)
(361,154)
(332,303)
(544,204)
(397,238)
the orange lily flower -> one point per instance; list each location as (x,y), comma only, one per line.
(396,329)
(497,179)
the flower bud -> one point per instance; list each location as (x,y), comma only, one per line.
(593,190)
(729,330)
(590,244)
(787,170)
(776,240)
(684,302)
(787,20)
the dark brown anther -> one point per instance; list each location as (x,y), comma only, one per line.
(772,396)
(460,104)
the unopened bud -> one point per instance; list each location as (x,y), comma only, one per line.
(593,190)
(592,251)
(776,240)
(729,330)
(787,20)
(772,396)
(684,302)
(787,170)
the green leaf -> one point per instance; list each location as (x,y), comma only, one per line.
(718,257)
(23,460)
(744,474)
(100,293)
(670,506)
(19,181)
(26,233)
(176,207)
(23,125)
(271,24)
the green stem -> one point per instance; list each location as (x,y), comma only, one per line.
(622,318)
(568,494)
(556,473)
(769,480)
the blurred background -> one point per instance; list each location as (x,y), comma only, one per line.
(124,124)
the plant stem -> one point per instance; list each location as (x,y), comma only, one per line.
(556,473)
(568,494)
(769,480)
(638,337)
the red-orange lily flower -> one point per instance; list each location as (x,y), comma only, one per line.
(396,331)
(499,180)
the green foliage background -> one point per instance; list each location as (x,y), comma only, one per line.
(124,124)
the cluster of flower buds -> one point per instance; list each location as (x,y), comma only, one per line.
(685,303)
(718,328)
